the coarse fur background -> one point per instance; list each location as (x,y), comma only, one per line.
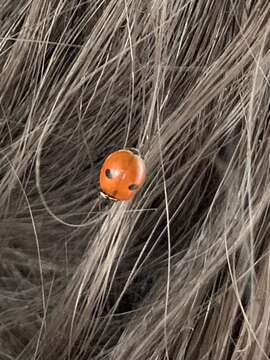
(183,271)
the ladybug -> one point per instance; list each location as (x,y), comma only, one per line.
(122,175)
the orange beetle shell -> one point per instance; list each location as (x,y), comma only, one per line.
(122,175)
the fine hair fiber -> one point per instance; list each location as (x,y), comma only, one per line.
(182,271)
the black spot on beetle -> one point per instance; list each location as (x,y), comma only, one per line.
(108,173)
(133,187)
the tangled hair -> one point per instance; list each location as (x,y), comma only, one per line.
(182,272)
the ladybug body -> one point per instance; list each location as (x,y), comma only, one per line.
(122,175)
